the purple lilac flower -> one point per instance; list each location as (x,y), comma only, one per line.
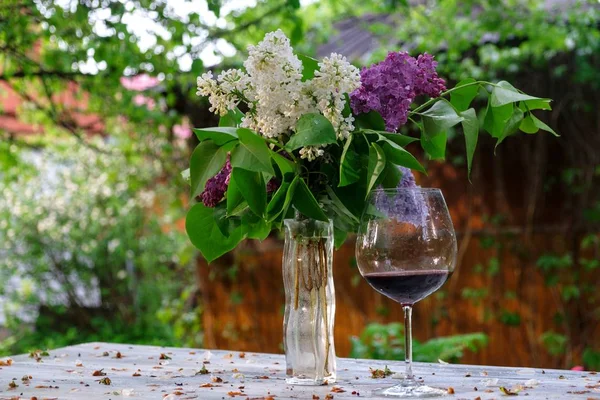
(427,80)
(389,87)
(405,205)
(272,186)
(216,186)
(408,179)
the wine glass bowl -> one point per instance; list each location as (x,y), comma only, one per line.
(406,249)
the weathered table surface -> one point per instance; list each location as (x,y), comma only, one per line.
(148,372)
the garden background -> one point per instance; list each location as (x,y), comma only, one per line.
(97,102)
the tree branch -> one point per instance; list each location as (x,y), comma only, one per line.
(44,73)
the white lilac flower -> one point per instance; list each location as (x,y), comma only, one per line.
(311,152)
(335,77)
(220,101)
(277,97)
(272,62)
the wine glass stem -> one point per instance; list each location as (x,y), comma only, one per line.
(408,341)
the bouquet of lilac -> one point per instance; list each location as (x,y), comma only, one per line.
(304,137)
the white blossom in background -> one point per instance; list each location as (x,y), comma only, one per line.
(70,212)
(277,97)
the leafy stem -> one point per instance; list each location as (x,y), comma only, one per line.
(276,143)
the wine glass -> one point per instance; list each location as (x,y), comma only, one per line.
(406,250)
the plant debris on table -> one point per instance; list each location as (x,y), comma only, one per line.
(203,371)
(380,373)
(104,381)
(6,363)
(510,392)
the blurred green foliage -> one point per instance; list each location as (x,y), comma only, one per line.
(497,39)
(386,342)
(84,256)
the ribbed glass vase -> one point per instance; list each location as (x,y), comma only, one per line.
(309,302)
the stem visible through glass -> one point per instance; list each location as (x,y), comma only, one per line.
(408,341)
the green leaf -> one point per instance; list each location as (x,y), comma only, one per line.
(399,139)
(289,196)
(470,125)
(252,187)
(252,154)
(285,166)
(370,120)
(304,201)
(233,118)
(204,233)
(220,217)
(391,176)
(542,125)
(399,156)
(435,146)
(311,130)
(512,125)
(226,223)
(240,209)
(505,93)
(309,66)
(220,135)
(278,202)
(496,118)
(234,197)
(255,227)
(528,126)
(349,164)
(538,104)
(353,197)
(439,118)
(376,165)
(339,237)
(461,98)
(294,3)
(206,161)
(340,206)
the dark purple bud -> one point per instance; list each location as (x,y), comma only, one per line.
(215,188)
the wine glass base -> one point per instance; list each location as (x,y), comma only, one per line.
(410,391)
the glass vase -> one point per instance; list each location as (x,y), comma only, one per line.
(309,302)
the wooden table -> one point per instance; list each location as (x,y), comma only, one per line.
(148,372)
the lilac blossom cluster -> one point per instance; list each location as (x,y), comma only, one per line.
(405,205)
(389,87)
(216,186)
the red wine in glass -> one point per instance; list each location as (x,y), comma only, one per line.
(407,287)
